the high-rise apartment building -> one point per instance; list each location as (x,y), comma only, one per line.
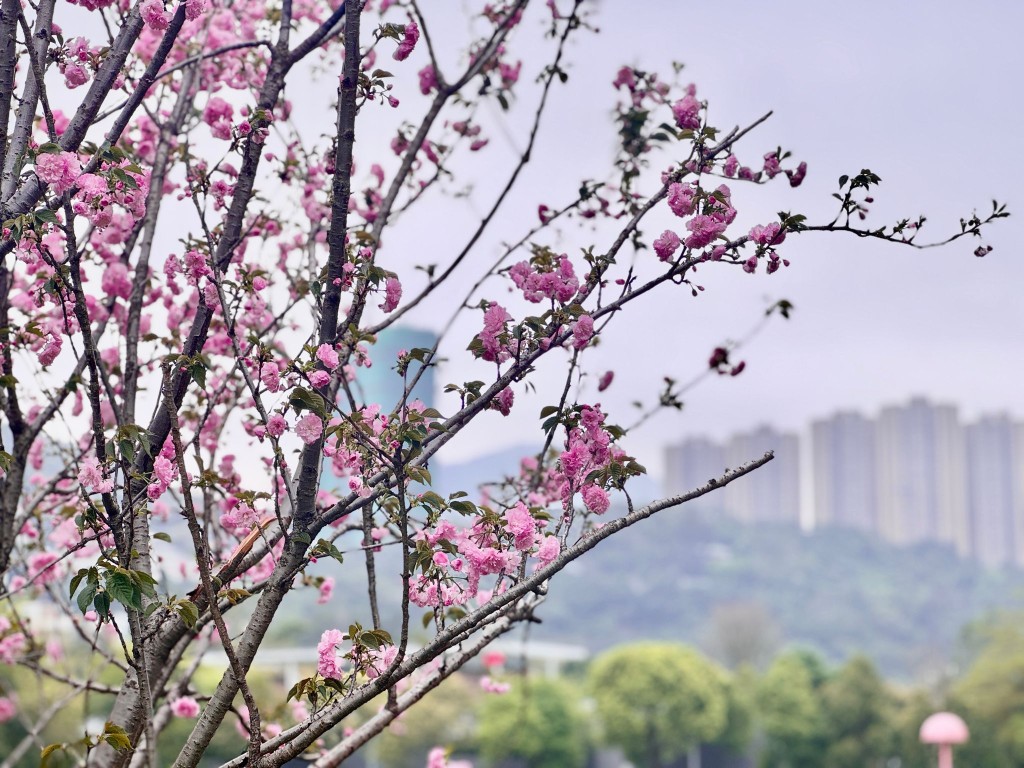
(689,465)
(772,493)
(922,477)
(994,469)
(844,472)
(912,475)
(381,383)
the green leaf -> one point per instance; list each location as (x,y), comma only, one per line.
(432,499)
(121,588)
(302,399)
(162,536)
(76,580)
(188,612)
(102,605)
(198,372)
(145,583)
(142,576)
(298,689)
(46,216)
(547,410)
(116,736)
(463,507)
(455,613)
(86,595)
(47,752)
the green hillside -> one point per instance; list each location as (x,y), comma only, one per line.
(706,580)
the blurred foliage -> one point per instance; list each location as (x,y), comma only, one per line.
(446,718)
(538,724)
(991,693)
(859,710)
(657,701)
(790,715)
(838,591)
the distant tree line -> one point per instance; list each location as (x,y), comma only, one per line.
(658,702)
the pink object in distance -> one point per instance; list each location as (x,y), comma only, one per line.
(944,729)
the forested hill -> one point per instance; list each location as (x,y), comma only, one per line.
(739,591)
(742,590)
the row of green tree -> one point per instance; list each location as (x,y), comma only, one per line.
(657,702)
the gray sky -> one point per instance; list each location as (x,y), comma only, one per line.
(925,95)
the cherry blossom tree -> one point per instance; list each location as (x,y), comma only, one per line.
(194,269)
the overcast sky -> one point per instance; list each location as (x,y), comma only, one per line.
(927,95)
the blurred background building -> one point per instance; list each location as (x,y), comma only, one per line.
(915,473)
(381,382)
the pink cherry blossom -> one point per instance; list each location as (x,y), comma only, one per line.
(327,355)
(495,318)
(582,331)
(596,499)
(493,686)
(686,111)
(51,348)
(277,425)
(326,590)
(12,646)
(7,708)
(380,660)
(185,707)
(91,477)
(195,8)
(219,114)
(58,170)
(703,229)
(521,524)
(392,294)
(548,550)
(796,177)
(39,567)
(769,234)
(327,650)
(75,75)
(319,379)
(309,428)
(164,469)
(666,244)
(537,283)
(409,40)
(428,80)
(154,15)
(503,401)
(682,198)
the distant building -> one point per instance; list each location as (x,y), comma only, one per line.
(691,464)
(922,483)
(914,474)
(381,382)
(844,471)
(772,493)
(994,469)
